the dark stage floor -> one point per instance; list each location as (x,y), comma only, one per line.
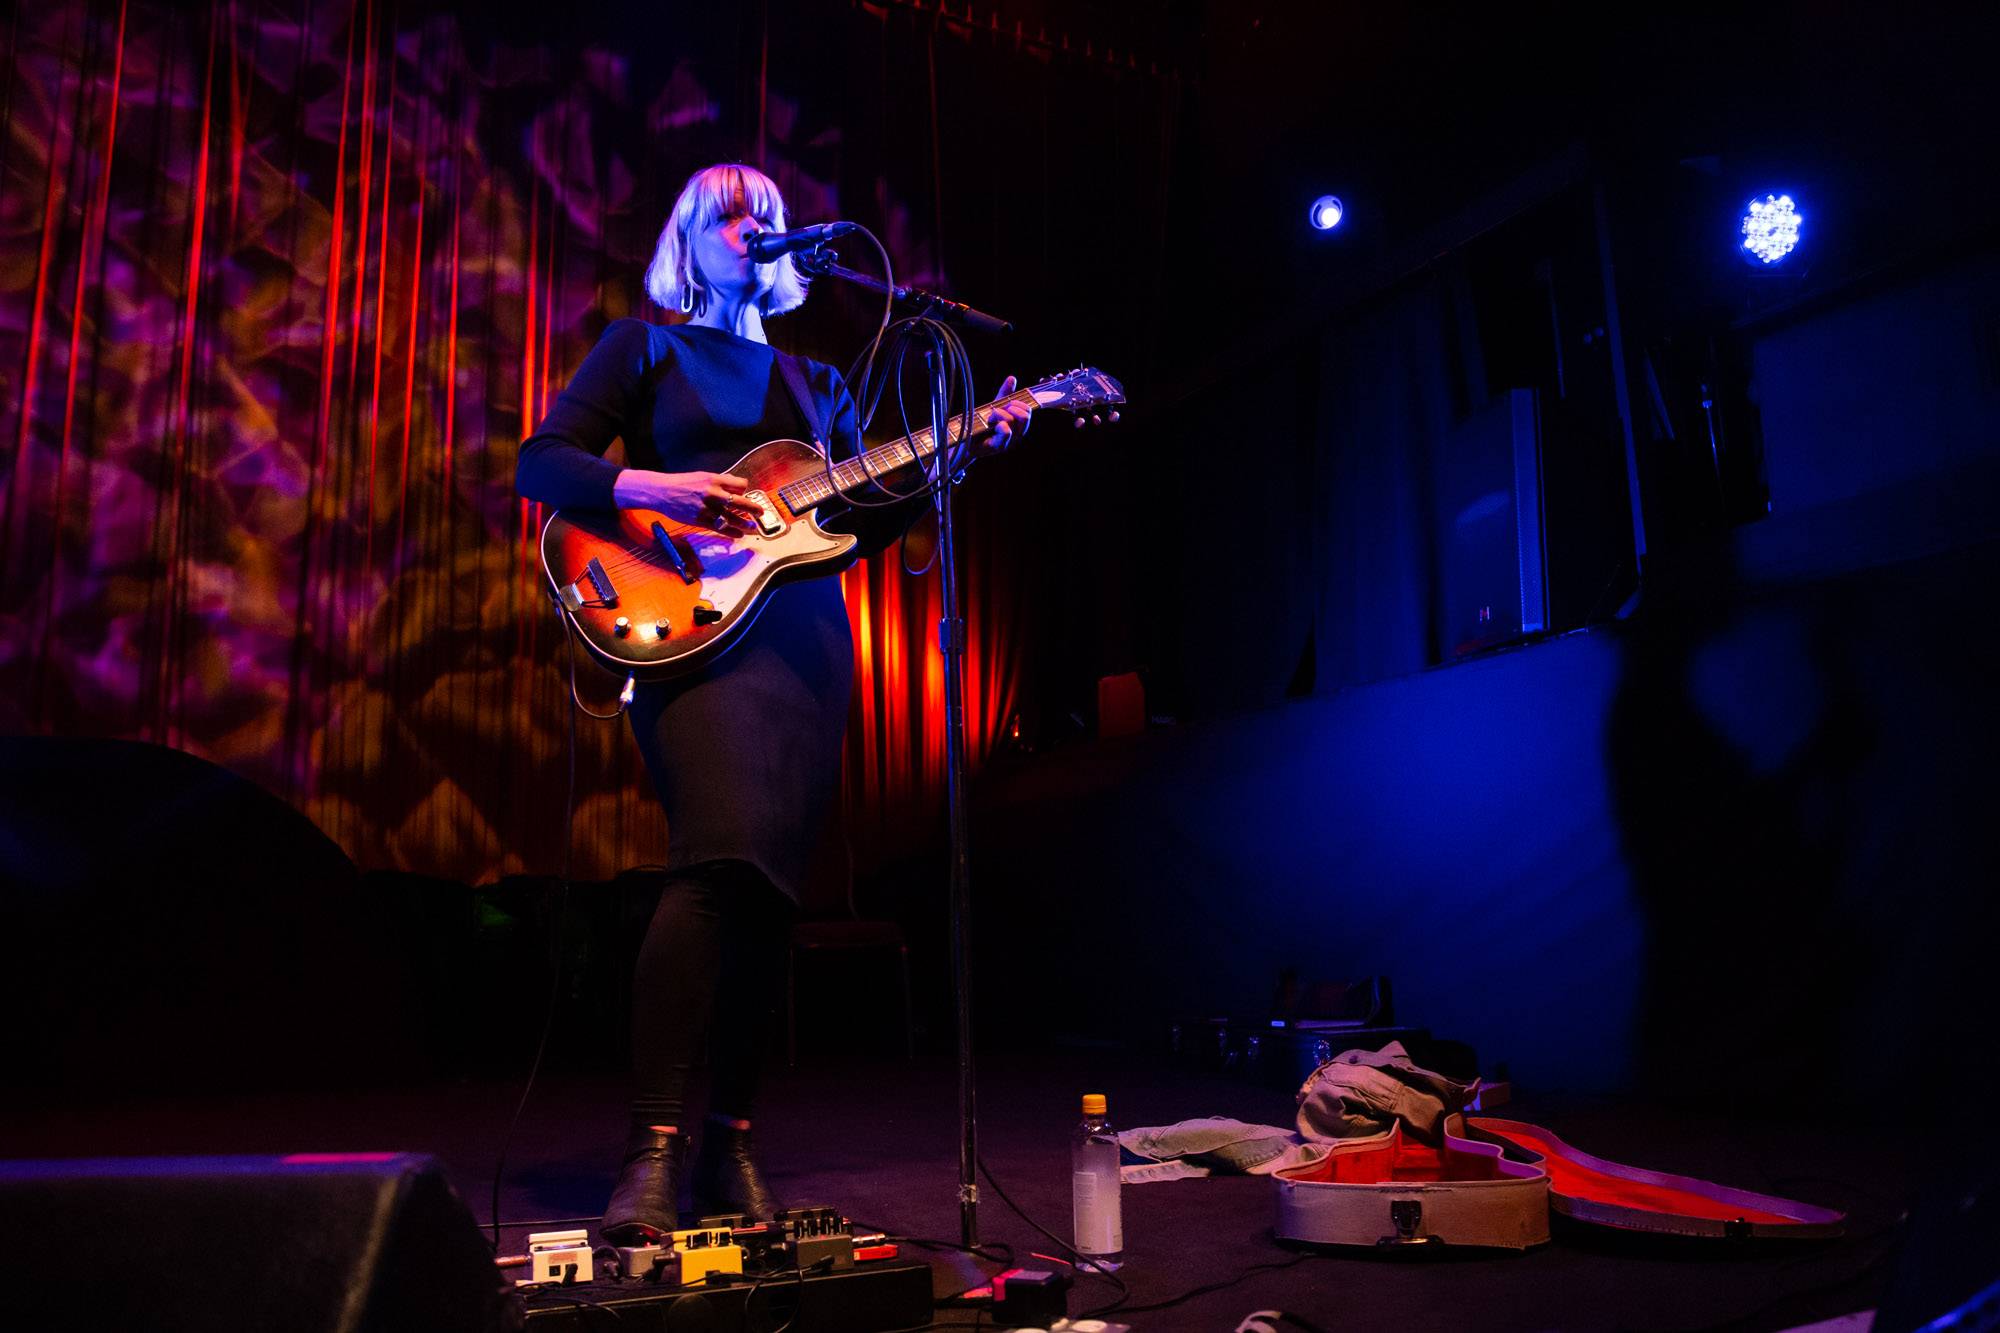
(877,1139)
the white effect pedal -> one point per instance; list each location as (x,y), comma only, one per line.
(558,1256)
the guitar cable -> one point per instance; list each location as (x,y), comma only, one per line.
(866,388)
(866,391)
(562,908)
(951,378)
(576,701)
(864,364)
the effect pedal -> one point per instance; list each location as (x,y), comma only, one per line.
(558,1256)
(704,1250)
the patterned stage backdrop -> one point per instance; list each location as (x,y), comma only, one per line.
(282,284)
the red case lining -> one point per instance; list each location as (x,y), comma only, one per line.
(1576,1178)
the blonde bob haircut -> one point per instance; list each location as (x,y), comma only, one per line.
(721,192)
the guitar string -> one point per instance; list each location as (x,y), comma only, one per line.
(637,556)
(915,445)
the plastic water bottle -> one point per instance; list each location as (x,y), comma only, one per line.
(1096,1214)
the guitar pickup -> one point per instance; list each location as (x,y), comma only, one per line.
(603,593)
(673,552)
(768,521)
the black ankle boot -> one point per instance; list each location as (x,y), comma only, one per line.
(645,1203)
(726,1178)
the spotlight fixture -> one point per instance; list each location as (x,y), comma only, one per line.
(1770,230)
(1325,213)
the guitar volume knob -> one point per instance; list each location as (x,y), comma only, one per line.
(660,628)
(621,626)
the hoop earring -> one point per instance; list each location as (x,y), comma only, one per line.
(687,296)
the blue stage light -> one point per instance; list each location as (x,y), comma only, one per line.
(1770,229)
(1325,213)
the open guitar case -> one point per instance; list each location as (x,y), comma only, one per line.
(1493,1183)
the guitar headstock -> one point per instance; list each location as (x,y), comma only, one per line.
(1085,392)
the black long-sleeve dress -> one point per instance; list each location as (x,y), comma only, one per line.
(746,752)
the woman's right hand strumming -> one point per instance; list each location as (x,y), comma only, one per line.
(704,499)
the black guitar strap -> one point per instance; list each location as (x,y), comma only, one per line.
(795,380)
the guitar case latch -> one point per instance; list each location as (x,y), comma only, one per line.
(1406,1215)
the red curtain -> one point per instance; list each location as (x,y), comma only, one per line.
(896,730)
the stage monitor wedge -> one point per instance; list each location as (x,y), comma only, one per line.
(308,1243)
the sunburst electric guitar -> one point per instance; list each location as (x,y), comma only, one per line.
(653,597)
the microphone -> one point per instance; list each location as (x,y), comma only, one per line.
(766,246)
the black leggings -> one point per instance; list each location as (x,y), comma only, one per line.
(720,933)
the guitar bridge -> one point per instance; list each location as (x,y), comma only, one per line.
(603,593)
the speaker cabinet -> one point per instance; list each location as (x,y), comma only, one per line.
(1493,569)
(310,1243)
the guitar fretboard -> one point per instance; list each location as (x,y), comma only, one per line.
(807,492)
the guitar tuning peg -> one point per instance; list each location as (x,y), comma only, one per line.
(1078,422)
(1114,416)
(1096,420)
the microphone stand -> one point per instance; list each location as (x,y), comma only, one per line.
(951,645)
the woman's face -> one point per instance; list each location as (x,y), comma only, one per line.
(721,252)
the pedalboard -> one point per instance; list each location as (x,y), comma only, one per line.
(816,1240)
(805,1264)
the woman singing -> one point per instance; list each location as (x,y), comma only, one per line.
(745,752)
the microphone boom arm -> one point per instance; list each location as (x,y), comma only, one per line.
(824,263)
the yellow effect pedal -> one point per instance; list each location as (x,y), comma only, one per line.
(705,1250)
